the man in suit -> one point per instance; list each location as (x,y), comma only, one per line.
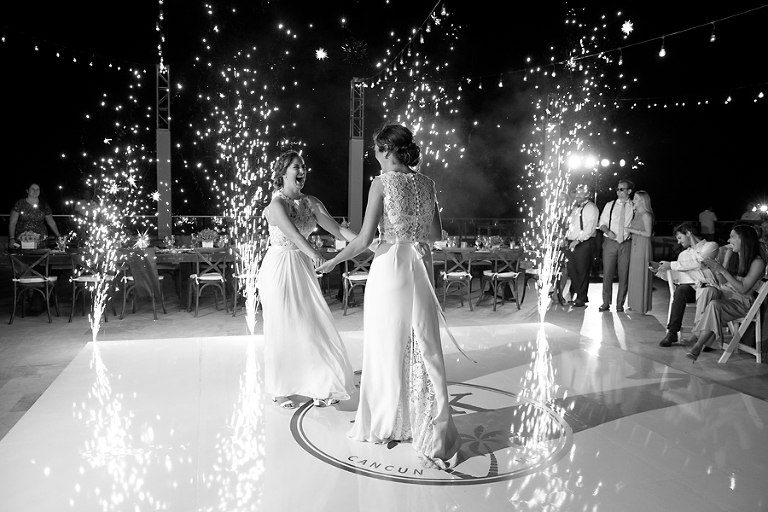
(581,244)
(616,217)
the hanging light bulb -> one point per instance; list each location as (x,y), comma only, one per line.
(662,52)
(501,84)
(712,36)
(621,57)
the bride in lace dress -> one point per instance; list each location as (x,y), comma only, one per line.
(403,393)
(304,354)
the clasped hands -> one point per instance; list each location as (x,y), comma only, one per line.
(713,265)
(325,266)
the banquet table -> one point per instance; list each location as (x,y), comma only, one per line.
(64,260)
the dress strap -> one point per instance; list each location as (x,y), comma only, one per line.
(421,250)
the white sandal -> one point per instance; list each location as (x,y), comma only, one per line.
(287,403)
(324,402)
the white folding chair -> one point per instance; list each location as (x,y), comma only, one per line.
(739,327)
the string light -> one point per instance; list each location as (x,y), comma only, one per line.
(662,52)
(712,36)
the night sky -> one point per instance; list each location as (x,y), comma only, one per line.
(692,156)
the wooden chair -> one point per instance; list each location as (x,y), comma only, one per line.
(142,278)
(210,270)
(458,272)
(355,274)
(31,275)
(739,327)
(85,279)
(243,273)
(503,272)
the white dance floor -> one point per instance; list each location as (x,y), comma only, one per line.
(553,422)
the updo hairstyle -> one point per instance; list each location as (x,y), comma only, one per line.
(280,166)
(397,140)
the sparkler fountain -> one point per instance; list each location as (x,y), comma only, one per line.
(564,125)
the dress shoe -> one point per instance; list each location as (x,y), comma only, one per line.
(668,340)
(578,303)
(619,309)
(604,307)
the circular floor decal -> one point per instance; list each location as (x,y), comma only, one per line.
(504,435)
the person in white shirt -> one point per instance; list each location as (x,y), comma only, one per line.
(614,221)
(693,282)
(581,244)
(707,220)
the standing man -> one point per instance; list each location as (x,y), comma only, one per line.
(581,244)
(614,221)
(692,282)
(707,220)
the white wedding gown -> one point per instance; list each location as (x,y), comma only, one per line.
(403,393)
(303,353)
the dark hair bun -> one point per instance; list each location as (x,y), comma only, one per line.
(409,155)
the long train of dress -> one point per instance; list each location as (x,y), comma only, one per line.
(404,394)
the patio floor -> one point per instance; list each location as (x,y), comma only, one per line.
(161,415)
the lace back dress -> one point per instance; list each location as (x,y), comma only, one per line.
(303,352)
(403,394)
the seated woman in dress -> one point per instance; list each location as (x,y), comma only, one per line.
(735,294)
(30,214)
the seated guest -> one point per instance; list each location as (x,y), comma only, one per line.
(692,281)
(735,293)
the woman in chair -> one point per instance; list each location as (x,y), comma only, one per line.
(735,294)
(304,354)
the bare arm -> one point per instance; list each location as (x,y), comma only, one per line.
(328,223)
(278,216)
(436,229)
(370,222)
(647,227)
(12,224)
(52,224)
(743,286)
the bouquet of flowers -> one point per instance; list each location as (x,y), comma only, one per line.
(29,240)
(207,237)
(496,241)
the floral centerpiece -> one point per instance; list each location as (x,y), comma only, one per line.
(496,241)
(207,237)
(29,240)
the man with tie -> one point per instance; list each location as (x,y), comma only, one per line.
(581,243)
(614,221)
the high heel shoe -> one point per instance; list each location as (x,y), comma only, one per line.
(324,402)
(694,354)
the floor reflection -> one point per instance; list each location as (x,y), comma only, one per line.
(550,420)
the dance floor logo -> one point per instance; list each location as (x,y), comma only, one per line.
(504,436)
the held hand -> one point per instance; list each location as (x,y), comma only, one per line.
(325,267)
(317,261)
(713,265)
